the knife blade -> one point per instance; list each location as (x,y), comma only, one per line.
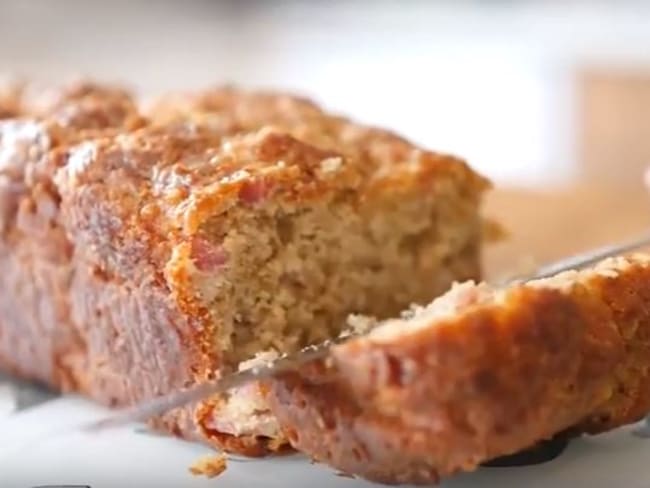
(157,406)
(162,404)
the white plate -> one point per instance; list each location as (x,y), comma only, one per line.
(36,448)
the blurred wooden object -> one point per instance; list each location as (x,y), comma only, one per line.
(613,124)
(547,225)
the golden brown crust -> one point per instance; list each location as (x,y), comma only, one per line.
(166,181)
(628,299)
(75,106)
(229,110)
(386,158)
(494,380)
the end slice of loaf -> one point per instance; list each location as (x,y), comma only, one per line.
(175,248)
(38,337)
(477,374)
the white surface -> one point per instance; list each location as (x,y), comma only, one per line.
(123,458)
(7,400)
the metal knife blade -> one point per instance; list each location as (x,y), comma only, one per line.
(165,403)
(160,405)
(587,258)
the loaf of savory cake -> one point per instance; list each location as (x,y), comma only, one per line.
(477,374)
(143,253)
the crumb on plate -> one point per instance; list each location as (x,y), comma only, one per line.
(209,466)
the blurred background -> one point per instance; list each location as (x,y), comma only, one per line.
(532,93)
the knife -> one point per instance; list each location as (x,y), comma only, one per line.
(157,406)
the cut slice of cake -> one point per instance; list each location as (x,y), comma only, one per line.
(477,374)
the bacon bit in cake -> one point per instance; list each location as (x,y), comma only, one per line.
(209,466)
(207,257)
(253,191)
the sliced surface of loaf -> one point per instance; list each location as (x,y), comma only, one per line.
(142,253)
(479,373)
